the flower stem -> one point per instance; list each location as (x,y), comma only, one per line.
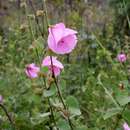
(46,14)
(52,118)
(60,94)
(36,19)
(53,75)
(51,108)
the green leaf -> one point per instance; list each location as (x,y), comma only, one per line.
(126,116)
(92,128)
(81,128)
(34,98)
(50,92)
(111,112)
(123,100)
(40,118)
(63,125)
(63,84)
(73,105)
(39,43)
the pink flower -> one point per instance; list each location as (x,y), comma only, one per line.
(57,65)
(125,126)
(121,57)
(32,70)
(61,40)
(1,99)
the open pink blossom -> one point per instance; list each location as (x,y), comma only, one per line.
(32,70)
(57,65)
(125,126)
(61,40)
(121,57)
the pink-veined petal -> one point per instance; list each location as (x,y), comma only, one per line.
(69,32)
(125,126)
(67,44)
(57,31)
(57,65)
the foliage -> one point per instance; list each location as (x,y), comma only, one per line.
(95,86)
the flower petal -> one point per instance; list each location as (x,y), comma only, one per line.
(68,45)
(57,31)
(69,32)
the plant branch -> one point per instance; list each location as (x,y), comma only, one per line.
(36,19)
(53,75)
(7,114)
(59,94)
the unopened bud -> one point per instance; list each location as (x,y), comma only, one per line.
(23,4)
(41,74)
(65,113)
(39,13)
(23,27)
(121,86)
(50,81)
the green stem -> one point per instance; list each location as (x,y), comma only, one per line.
(100,44)
(53,75)
(51,108)
(107,92)
(60,94)
(46,14)
(7,114)
(126,13)
(52,118)
(48,99)
(119,117)
(29,22)
(36,18)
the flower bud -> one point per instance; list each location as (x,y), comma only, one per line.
(41,74)
(65,113)
(121,57)
(121,86)
(39,13)
(23,4)
(23,27)
(50,81)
